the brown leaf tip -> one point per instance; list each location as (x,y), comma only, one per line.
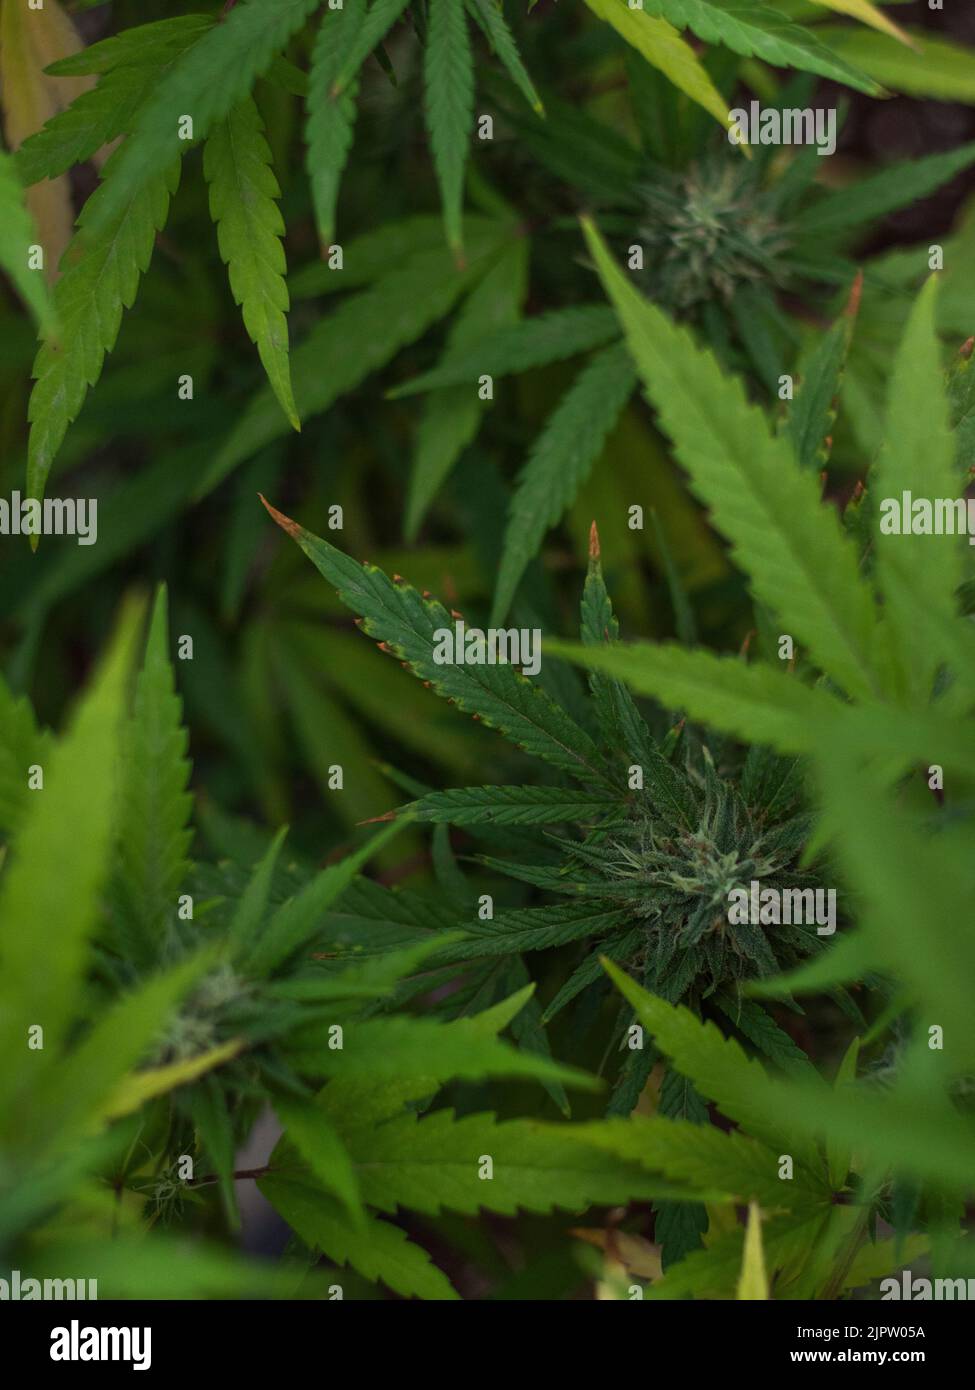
(285,522)
(594,551)
(966,349)
(856,293)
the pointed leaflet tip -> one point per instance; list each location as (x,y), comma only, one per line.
(157,636)
(594,551)
(285,522)
(965,351)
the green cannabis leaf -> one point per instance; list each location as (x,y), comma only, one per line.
(496,965)
(242,203)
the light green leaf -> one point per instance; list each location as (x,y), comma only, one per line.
(756,703)
(433,1165)
(132,65)
(155,806)
(378,1250)
(314,1136)
(166,1267)
(719,1069)
(918,456)
(206,83)
(902,876)
(759,31)
(938,68)
(882,1257)
(867,13)
(801,563)
(961,396)
(378,1049)
(714,1272)
(664,49)
(851,956)
(243,193)
(915,1131)
(55,874)
(351,1105)
(252,904)
(100,278)
(704,1157)
(753,1281)
(22,744)
(17,235)
(90,1085)
(135,1090)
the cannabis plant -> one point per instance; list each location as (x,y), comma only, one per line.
(663,838)
(721,241)
(888,710)
(632,108)
(212,1004)
(467,980)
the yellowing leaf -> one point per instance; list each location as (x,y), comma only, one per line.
(941,69)
(634,1254)
(869,14)
(29,41)
(722,1222)
(753,1281)
(663,47)
(134,1090)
